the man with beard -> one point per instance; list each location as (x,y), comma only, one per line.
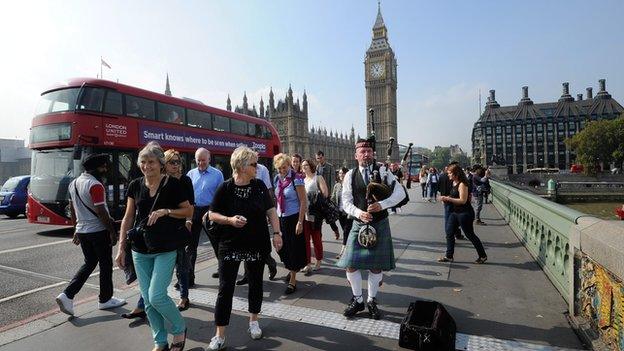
(357,257)
(94,232)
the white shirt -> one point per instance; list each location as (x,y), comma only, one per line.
(349,207)
(262,173)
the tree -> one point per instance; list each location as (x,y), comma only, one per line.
(600,142)
(440,157)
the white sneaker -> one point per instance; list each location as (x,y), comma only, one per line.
(112,303)
(65,304)
(254,330)
(216,343)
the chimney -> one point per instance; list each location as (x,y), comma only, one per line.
(492,100)
(579,97)
(525,92)
(603,84)
(565,96)
(590,94)
(492,95)
(566,88)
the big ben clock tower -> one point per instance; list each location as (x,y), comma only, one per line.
(380,69)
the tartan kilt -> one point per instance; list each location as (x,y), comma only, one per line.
(379,257)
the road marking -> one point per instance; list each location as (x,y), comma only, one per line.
(32,291)
(367,326)
(35,246)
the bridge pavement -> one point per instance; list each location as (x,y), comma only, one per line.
(506,304)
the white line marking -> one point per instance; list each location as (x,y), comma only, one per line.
(31,291)
(35,246)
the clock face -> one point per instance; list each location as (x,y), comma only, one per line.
(377,70)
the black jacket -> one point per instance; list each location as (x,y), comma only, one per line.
(444,184)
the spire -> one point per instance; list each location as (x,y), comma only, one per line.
(167,87)
(245,105)
(271,101)
(261,107)
(305,103)
(229,103)
(379,22)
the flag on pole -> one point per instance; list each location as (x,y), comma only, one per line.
(105,64)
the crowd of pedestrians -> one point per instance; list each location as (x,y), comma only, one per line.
(245,218)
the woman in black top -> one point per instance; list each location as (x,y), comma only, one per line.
(154,261)
(173,168)
(240,209)
(461,215)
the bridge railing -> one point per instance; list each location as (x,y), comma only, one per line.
(583,257)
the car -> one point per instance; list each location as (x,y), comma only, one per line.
(13,196)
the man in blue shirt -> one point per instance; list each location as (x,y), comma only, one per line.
(206,179)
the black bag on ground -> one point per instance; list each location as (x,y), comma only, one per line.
(427,327)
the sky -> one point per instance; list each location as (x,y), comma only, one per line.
(446,52)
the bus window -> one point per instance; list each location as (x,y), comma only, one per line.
(239,127)
(139,107)
(266,132)
(170,113)
(255,130)
(221,124)
(198,119)
(91,99)
(57,101)
(222,163)
(113,105)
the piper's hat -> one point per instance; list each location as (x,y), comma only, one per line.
(94,161)
(369,142)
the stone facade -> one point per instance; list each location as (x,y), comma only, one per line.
(380,71)
(532,135)
(290,118)
(14,159)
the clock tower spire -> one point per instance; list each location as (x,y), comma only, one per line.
(380,79)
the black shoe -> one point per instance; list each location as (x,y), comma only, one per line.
(273,272)
(215,275)
(353,307)
(176,286)
(141,315)
(290,289)
(373,311)
(243,281)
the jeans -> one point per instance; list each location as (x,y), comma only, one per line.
(182,273)
(227,280)
(464,220)
(479,198)
(433,190)
(448,208)
(423,187)
(154,272)
(96,249)
(196,230)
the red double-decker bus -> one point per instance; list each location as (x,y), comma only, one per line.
(84,116)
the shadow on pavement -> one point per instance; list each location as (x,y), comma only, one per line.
(62,232)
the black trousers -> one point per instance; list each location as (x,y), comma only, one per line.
(96,248)
(196,230)
(346,223)
(227,282)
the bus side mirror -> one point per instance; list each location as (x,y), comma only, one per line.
(77,154)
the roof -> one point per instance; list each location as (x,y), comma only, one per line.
(599,105)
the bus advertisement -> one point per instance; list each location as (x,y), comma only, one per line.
(84,116)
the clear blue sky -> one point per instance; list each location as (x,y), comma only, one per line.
(446,51)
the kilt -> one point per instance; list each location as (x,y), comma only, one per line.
(379,257)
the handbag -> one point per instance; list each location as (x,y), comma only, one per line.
(427,326)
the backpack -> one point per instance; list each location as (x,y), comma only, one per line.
(401,203)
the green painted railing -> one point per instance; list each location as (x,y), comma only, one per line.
(543,227)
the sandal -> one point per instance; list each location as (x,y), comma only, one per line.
(179,346)
(445,259)
(184,306)
(290,289)
(481,260)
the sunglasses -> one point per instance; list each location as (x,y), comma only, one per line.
(254,164)
(174,162)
